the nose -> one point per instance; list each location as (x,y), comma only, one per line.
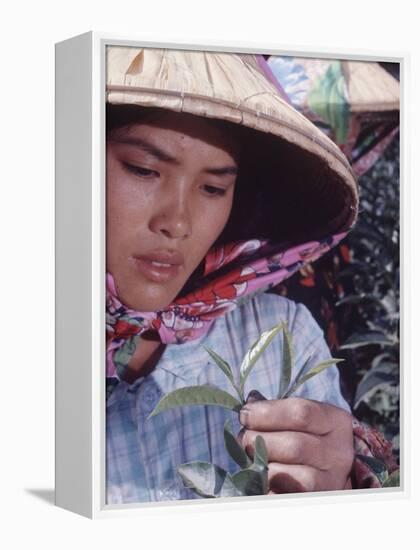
(173,218)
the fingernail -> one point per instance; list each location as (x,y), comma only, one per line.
(244,416)
(255,395)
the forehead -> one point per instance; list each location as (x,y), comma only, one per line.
(180,132)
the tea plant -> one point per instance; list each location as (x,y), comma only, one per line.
(372,343)
(209,480)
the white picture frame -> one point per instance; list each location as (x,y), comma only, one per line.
(80,281)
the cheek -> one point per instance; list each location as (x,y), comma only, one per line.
(223,213)
(124,215)
(127,204)
(212,222)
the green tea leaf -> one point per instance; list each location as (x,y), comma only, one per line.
(222,364)
(319,368)
(260,454)
(380,358)
(251,482)
(354,268)
(207,480)
(255,351)
(356,299)
(392,480)
(292,388)
(288,360)
(297,378)
(383,374)
(313,372)
(234,449)
(197,395)
(254,479)
(359,340)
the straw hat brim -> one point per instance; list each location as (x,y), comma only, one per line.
(233,87)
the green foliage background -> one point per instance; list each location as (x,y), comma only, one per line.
(372,331)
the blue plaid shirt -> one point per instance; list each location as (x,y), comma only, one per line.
(142,453)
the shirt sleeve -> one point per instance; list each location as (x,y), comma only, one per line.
(310,349)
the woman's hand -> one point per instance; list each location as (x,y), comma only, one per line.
(309,444)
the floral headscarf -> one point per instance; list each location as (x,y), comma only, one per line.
(256,265)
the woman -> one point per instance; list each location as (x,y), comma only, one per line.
(216,191)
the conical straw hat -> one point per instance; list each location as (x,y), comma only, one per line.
(234,88)
(371,88)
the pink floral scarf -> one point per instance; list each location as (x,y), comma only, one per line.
(256,266)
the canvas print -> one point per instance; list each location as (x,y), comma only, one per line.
(252,275)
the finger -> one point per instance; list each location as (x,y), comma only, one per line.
(289,447)
(290,478)
(293,413)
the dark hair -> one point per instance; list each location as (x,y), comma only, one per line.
(120,116)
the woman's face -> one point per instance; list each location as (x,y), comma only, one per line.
(170,185)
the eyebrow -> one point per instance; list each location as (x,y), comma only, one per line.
(222,171)
(165,157)
(146,146)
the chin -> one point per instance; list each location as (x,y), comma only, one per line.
(140,294)
(153,301)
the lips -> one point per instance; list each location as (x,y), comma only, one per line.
(159,266)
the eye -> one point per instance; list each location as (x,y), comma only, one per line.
(141,171)
(214,191)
